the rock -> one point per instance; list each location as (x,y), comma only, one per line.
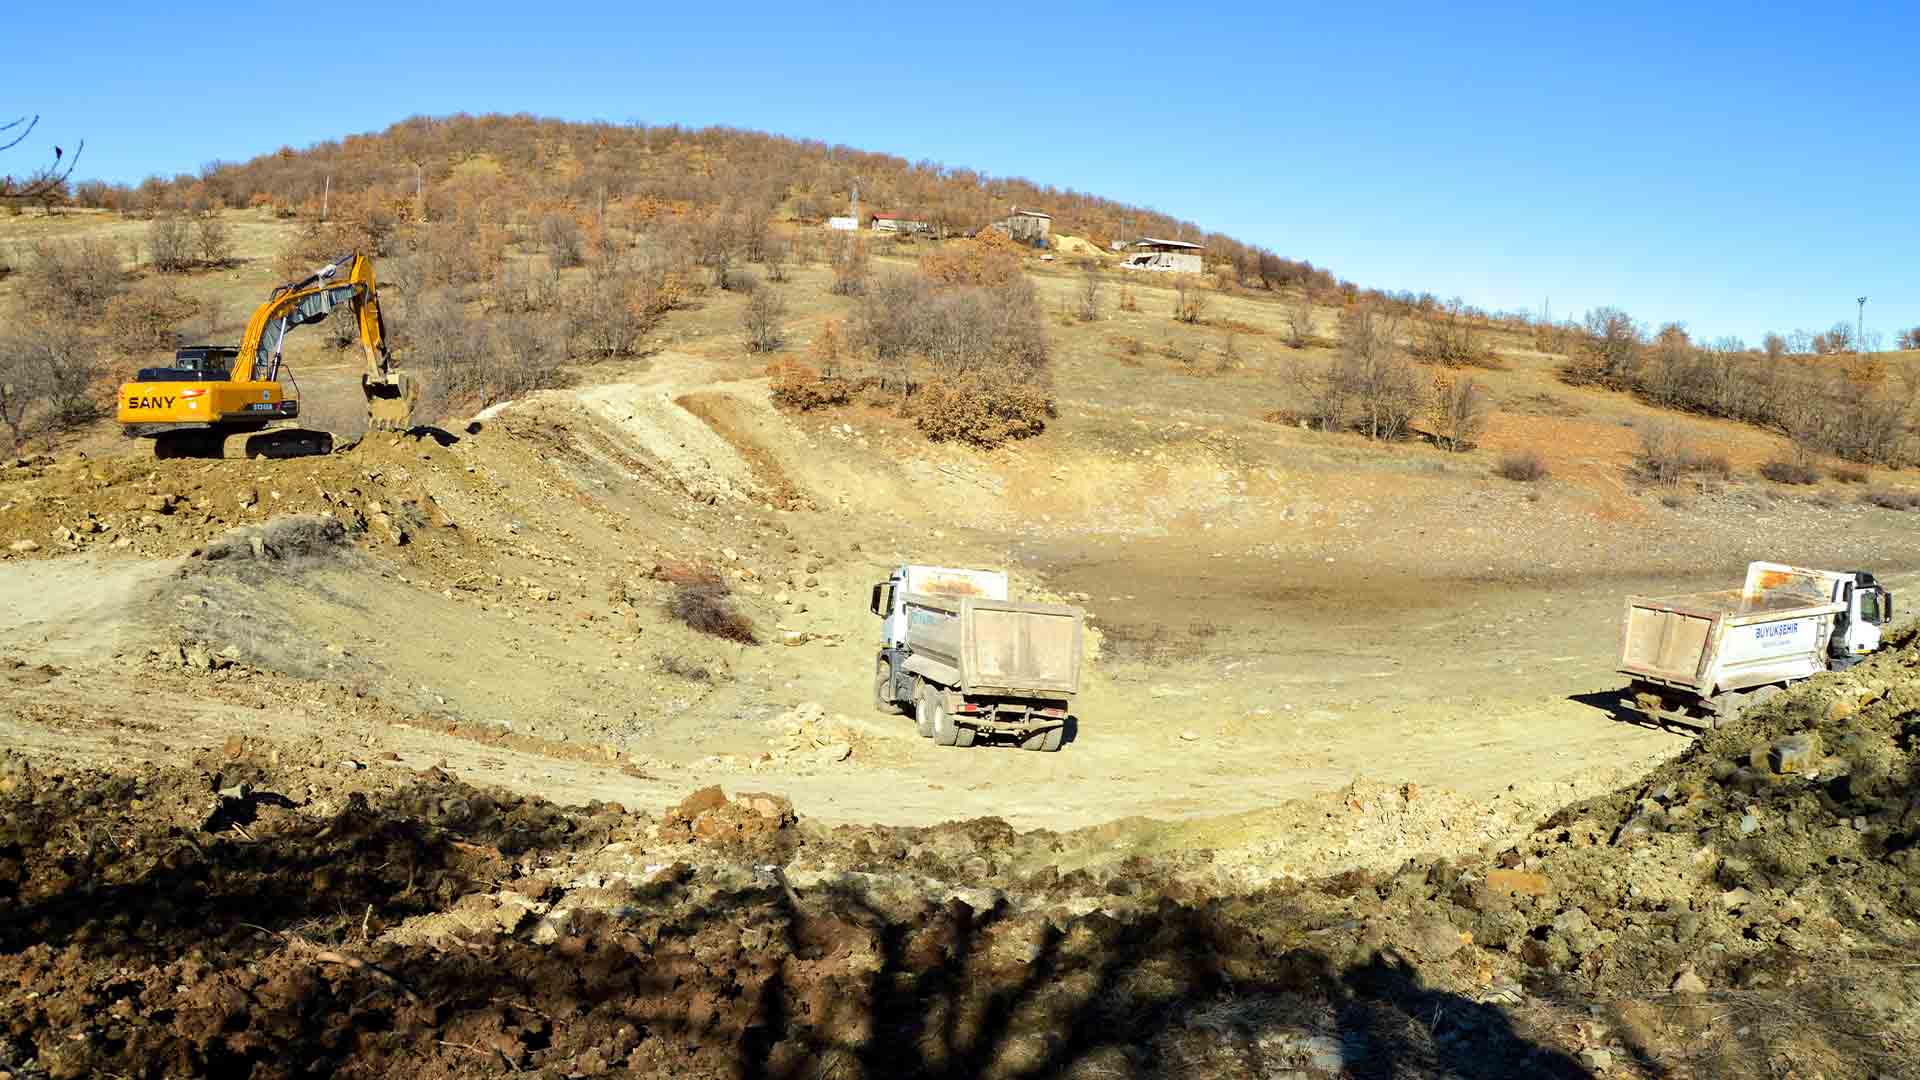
(1736,898)
(1519,882)
(553,927)
(1189,736)
(1749,825)
(1795,753)
(1687,982)
(835,752)
(776,808)
(707,798)
(1325,1053)
(1596,1059)
(24,546)
(1435,938)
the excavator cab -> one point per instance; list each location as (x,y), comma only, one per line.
(196,363)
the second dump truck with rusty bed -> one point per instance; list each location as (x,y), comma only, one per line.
(971,664)
(1707,656)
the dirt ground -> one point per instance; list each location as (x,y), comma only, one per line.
(393,759)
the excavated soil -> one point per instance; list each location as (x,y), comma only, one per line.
(1748,908)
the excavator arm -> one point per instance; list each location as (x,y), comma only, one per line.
(347,280)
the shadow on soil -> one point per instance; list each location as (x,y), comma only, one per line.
(255,944)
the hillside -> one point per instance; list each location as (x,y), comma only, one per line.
(399,759)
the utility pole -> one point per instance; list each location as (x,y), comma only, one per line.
(326,197)
(1860,329)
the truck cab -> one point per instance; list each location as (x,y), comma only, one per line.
(1858,629)
(888,596)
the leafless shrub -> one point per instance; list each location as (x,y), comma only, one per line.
(1790,472)
(1522,466)
(778,254)
(170,243)
(1457,411)
(1299,319)
(1229,354)
(560,235)
(1665,453)
(616,307)
(73,278)
(469,360)
(1608,352)
(850,262)
(1089,297)
(706,604)
(212,240)
(1189,300)
(762,319)
(1850,474)
(1375,376)
(1127,302)
(1892,499)
(48,368)
(1447,336)
(149,318)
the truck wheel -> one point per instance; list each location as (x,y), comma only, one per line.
(883,687)
(1047,741)
(923,707)
(945,731)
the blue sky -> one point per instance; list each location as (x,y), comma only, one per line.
(1738,167)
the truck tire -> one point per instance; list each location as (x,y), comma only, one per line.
(923,707)
(945,731)
(883,687)
(1047,741)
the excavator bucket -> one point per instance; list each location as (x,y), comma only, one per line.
(390,403)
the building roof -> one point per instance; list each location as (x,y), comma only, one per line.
(1148,241)
(1032,213)
(895,217)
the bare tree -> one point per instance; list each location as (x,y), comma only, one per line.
(1381,381)
(212,239)
(42,181)
(562,238)
(1457,410)
(1089,296)
(1189,300)
(1299,316)
(170,243)
(762,317)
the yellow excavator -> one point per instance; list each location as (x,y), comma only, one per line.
(189,409)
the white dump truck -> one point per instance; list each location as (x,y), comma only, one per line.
(970,664)
(1706,656)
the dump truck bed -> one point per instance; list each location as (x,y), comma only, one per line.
(1774,629)
(996,647)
